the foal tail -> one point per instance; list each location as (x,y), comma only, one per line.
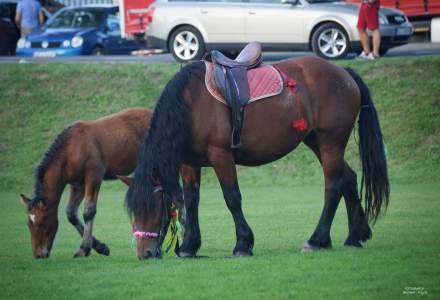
(372,153)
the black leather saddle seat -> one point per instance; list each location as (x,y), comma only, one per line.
(249,57)
(230,76)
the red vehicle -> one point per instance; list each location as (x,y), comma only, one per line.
(419,12)
(135,16)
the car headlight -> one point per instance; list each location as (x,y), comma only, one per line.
(66,44)
(77,42)
(21,43)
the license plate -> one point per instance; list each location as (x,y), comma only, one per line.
(403,31)
(45,54)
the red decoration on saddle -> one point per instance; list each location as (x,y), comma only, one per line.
(173,214)
(288,82)
(300,124)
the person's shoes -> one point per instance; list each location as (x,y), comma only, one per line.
(364,56)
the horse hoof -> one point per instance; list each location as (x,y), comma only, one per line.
(309,248)
(242,253)
(187,255)
(353,244)
(102,249)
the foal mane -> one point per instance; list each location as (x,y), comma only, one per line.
(163,148)
(49,158)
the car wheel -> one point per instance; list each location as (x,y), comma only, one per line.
(186,44)
(330,41)
(98,51)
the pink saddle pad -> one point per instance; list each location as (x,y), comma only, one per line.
(264,81)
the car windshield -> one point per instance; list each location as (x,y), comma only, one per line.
(75,18)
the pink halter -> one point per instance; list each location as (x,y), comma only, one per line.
(144,234)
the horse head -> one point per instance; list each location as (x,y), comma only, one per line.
(150,218)
(43,225)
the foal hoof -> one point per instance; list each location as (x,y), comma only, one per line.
(102,249)
(81,253)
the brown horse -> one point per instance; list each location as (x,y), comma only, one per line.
(83,155)
(190,126)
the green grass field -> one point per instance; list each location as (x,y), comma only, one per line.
(404,253)
(282,201)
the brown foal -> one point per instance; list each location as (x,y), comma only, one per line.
(83,155)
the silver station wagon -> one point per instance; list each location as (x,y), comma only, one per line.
(188,29)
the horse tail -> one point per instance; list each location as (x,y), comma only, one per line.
(372,153)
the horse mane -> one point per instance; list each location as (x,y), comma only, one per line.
(163,148)
(49,158)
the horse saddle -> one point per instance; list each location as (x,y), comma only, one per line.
(236,82)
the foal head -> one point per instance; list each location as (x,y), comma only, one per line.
(150,224)
(43,225)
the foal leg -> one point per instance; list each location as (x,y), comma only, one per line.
(224,166)
(359,230)
(76,196)
(333,167)
(191,195)
(92,188)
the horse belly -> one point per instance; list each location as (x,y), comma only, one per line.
(267,133)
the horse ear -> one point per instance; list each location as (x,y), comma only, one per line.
(25,200)
(125,179)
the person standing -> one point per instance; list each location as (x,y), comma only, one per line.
(29,16)
(369,18)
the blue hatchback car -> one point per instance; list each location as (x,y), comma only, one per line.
(87,30)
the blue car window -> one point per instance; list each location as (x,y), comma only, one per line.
(113,22)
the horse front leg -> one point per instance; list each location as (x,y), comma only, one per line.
(76,197)
(191,196)
(92,186)
(224,165)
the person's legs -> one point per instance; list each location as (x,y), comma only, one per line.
(376,42)
(25,31)
(364,40)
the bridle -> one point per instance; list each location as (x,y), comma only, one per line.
(149,234)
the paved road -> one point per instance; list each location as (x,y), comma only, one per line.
(412,49)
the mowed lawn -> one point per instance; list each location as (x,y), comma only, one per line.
(403,256)
(282,201)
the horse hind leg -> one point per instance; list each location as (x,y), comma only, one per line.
(331,158)
(92,185)
(76,196)
(359,230)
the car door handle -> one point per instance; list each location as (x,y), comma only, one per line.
(251,12)
(204,12)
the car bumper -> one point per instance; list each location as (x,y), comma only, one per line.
(156,43)
(51,52)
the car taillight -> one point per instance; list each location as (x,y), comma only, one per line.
(150,14)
